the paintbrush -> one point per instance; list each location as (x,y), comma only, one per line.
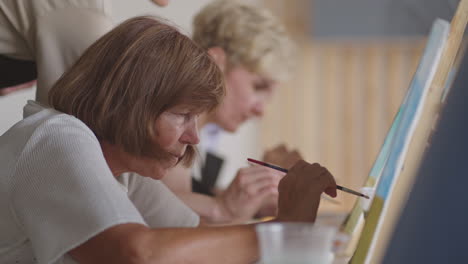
(341,188)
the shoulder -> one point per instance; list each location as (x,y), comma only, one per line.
(49,133)
(59,126)
(47,124)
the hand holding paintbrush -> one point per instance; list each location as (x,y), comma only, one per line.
(300,191)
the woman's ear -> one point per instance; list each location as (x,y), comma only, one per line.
(219,56)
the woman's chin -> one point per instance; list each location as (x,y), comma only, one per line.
(157,170)
(230,127)
(159,175)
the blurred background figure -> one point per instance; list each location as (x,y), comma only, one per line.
(255,54)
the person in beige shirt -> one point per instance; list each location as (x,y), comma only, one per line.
(42,38)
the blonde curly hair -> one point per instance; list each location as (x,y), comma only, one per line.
(250,35)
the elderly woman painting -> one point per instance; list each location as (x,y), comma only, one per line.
(129,104)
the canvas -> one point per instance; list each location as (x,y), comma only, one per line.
(390,159)
(412,136)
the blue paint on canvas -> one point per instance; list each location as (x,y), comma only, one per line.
(412,106)
(377,168)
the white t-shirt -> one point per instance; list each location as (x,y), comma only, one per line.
(56,190)
(53,33)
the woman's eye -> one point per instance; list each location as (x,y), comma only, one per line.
(186,116)
(261,86)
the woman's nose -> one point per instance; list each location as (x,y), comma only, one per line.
(190,136)
(258,109)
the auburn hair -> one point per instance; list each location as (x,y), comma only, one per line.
(126,79)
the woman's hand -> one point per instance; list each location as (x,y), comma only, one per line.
(248,192)
(300,190)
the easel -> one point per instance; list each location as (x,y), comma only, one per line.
(420,139)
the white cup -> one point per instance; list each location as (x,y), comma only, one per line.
(295,243)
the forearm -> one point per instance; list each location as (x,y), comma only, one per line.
(133,243)
(234,244)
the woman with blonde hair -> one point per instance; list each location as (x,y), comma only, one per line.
(129,104)
(255,54)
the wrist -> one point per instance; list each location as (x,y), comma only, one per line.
(299,213)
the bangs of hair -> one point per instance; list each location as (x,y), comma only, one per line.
(200,80)
(130,76)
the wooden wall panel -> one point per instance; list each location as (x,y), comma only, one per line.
(340,103)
